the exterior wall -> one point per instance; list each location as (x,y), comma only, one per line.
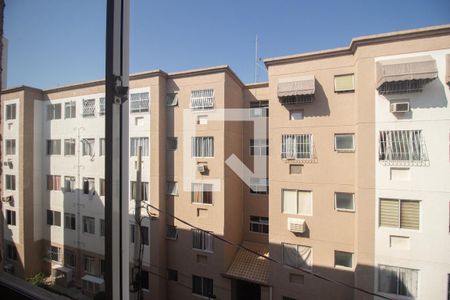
(429,246)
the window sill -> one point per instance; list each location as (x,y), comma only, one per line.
(344,150)
(345,210)
(199,203)
(203,251)
(344,268)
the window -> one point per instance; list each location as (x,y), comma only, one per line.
(343,259)
(144,234)
(402,145)
(202,120)
(202,99)
(88,107)
(296,146)
(53,182)
(259,109)
(172,143)
(102,187)
(296,115)
(171,232)
(297,256)
(102,107)
(139,102)
(172,275)
(69,147)
(400,213)
(297,202)
(202,286)
(54,253)
(102,227)
(88,147)
(203,146)
(135,143)
(54,111)
(53,147)
(10,217)
(10,111)
(344,201)
(202,193)
(172,99)
(69,258)
(259,224)
(202,240)
(259,147)
(144,191)
(10,182)
(70,109)
(144,280)
(69,221)
(397,281)
(11,251)
(259,185)
(88,225)
(69,184)
(295,169)
(102,146)
(344,83)
(172,188)
(88,185)
(10,147)
(89,264)
(53,218)
(344,142)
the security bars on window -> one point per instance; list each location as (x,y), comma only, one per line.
(139,102)
(297,146)
(402,145)
(202,99)
(89,108)
(203,146)
(398,87)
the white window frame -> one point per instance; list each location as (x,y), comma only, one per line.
(260,147)
(139,102)
(52,111)
(102,147)
(402,146)
(344,209)
(91,185)
(69,145)
(70,110)
(54,253)
(297,146)
(56,218)
(343,149)
(259,185)
(88,225)
(10,111)
(202,99)
(202,241)
(202,146)
(10,147)
(172,188)
(344,90)
(88,107)
(259,109)
(144,193)
(297,202)
(10,182)
(135,142)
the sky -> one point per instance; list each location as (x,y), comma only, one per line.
(59,42)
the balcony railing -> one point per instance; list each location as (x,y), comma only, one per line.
(202,99)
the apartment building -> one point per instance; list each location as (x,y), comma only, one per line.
(356,159)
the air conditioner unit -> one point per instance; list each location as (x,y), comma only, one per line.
(8,199)
(399,107)
(201,168)
(296,225)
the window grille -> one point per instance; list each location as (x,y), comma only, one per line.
(202,99)
(400,87)
(203,146)
(296,99)
(259,147)
(139,102)
(69,221)
(259,185)
(202,240)
(259,108)
(88,107)
(102,107)
(297,146)
(53,253)
(402,145)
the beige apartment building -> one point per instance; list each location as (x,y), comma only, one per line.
(337,210)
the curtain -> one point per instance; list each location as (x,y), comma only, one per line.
(290,255)
(305,257)
(407,282)
(289,201)
(387,279)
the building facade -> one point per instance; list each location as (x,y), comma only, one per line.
(354,185)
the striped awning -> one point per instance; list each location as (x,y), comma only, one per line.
(406,69)
(297,87)
(250,267)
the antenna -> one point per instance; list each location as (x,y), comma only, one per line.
(256,59)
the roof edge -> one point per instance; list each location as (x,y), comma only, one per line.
(19,88)
(205,71)
(361,41)
(257,85)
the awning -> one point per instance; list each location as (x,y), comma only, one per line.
(406,69)
(297,87)
(249,266)
(447,63)
(61,268)
(93,279)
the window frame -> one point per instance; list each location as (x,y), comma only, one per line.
(202,192)
(399,227)
(341,135)
(293,111)
(10,147)
(262,145)
(10,111)
(300,141)
(88,227)
(11,217)
(259,223)
(342,266)
(299,257)
(205,284)
(200,144)
(205,240)
(70,221)
(52,111)
(344,90)
(344,209)
(53,218)
(142,103)
(202,96)
(10,182)
(52,146)
(71,107)
(297,202)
